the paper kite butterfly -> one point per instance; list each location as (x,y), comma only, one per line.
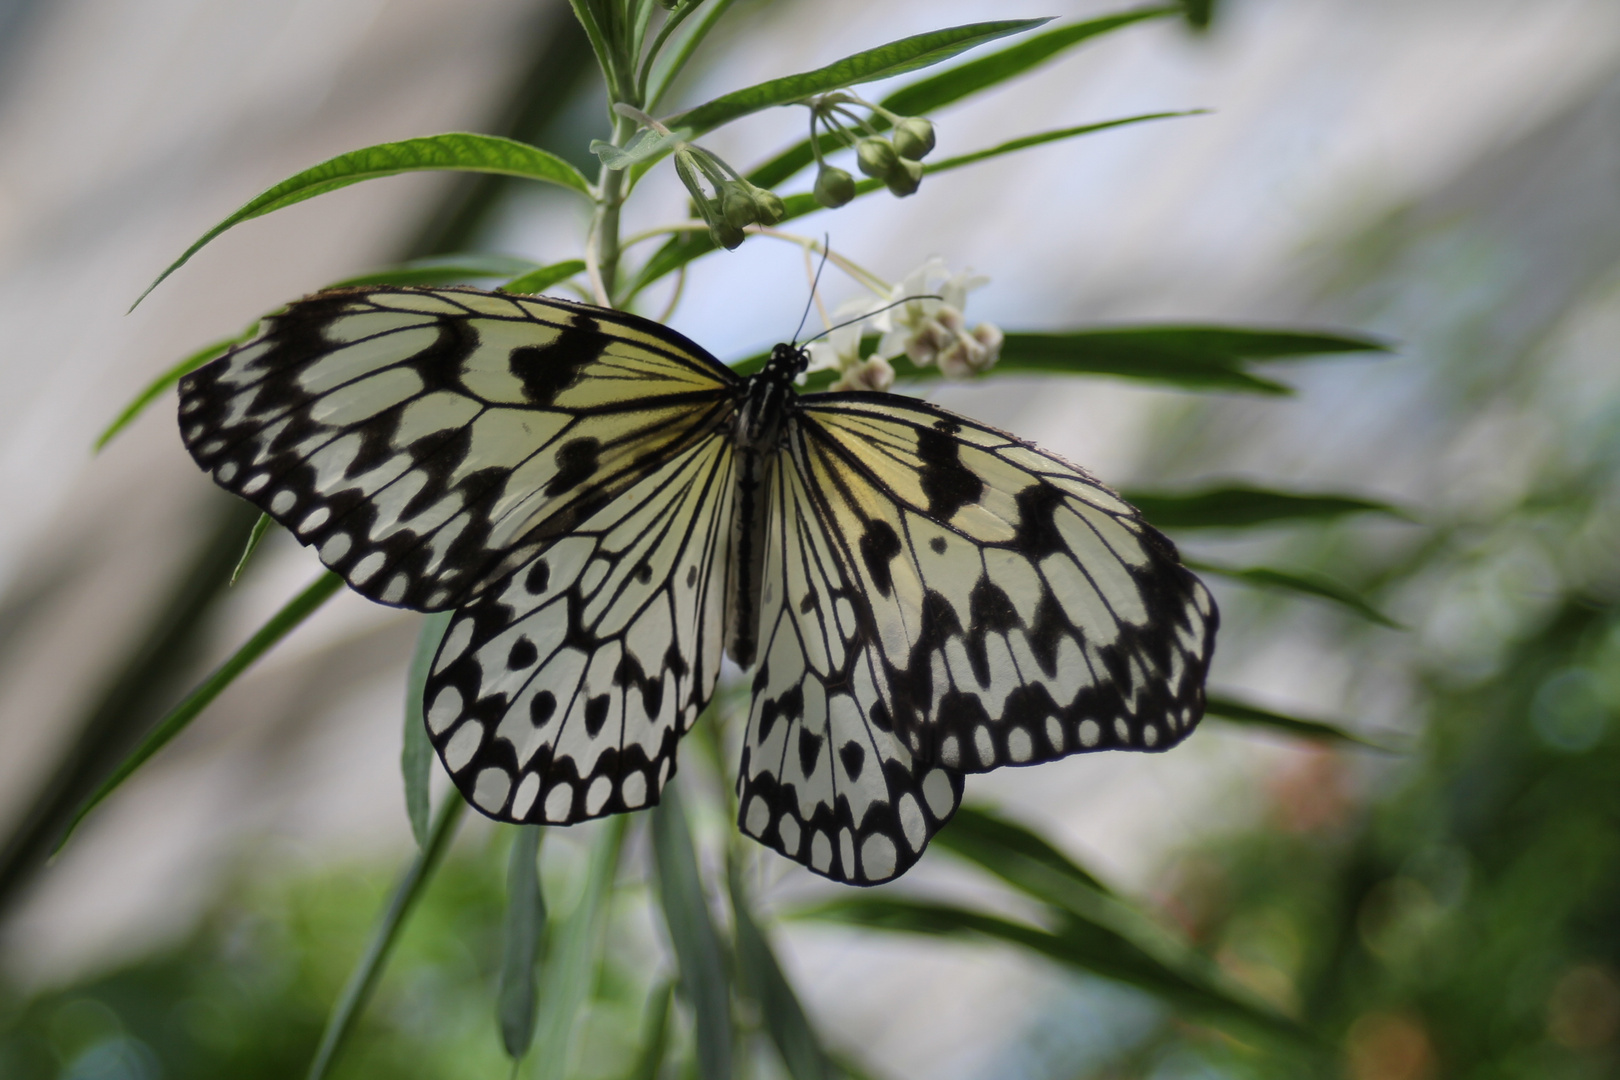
(607,508)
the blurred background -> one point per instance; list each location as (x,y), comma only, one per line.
(1441,174)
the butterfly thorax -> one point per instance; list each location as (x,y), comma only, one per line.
(767,401)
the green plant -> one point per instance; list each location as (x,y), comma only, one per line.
(728,977)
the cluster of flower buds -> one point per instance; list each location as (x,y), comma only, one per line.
(896,161)
(735,203)
(921,319)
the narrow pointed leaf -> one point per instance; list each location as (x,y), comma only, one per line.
(1300,581)
(895,58)
(571,963)
(260,527)
(1081,945)
(457,151)
(296,611)
(979,834)
(654,1034)
(761,978)
(698,951)
(157,386)
(1040,138)
(646,145)
(363,979)
(682,249)
(1239,506)
(1242,713)
(520,942)
(444,270)
(964,80)
(679,48)
(545,277)
(980,74)
(416,753)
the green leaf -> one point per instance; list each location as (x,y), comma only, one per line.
(1300,581)
(895,58)
(1040,138)
(545,277)
(1241,713)
(959,82)
(682,249)
(1083,946)
(571,965)
(416,753)
(443,270)
(455,152)
(974,76)
(363,980)
(654,1034)
(520,939)
(1237,506)
(989,839)
(698,952)
(761,978)
(162,383)
(674,54)
(296,611)
(260,527)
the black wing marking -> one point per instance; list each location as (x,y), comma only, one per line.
(428,441)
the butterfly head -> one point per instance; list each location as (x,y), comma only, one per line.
(787,362)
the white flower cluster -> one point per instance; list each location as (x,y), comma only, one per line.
(927,328)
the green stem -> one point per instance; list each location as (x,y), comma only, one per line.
(605,228)
(363,980)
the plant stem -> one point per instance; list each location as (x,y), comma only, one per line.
(605,226)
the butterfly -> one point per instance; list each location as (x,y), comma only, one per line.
(608,509)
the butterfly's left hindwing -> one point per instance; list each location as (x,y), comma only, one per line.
(427,442)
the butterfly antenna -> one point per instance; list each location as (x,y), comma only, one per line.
(826,250)
(876,311)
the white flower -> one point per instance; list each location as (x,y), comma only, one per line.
(933,331)
(841,348)
(873,374)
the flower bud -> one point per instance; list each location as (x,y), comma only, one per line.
(875,156)
(737,205)
(768,205)
(904,178)
(727,235)
(874,373)
(834,186)
(913,138)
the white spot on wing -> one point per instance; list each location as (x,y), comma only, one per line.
(463,745)
(489,793)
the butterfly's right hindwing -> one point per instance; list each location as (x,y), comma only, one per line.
(427,442)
